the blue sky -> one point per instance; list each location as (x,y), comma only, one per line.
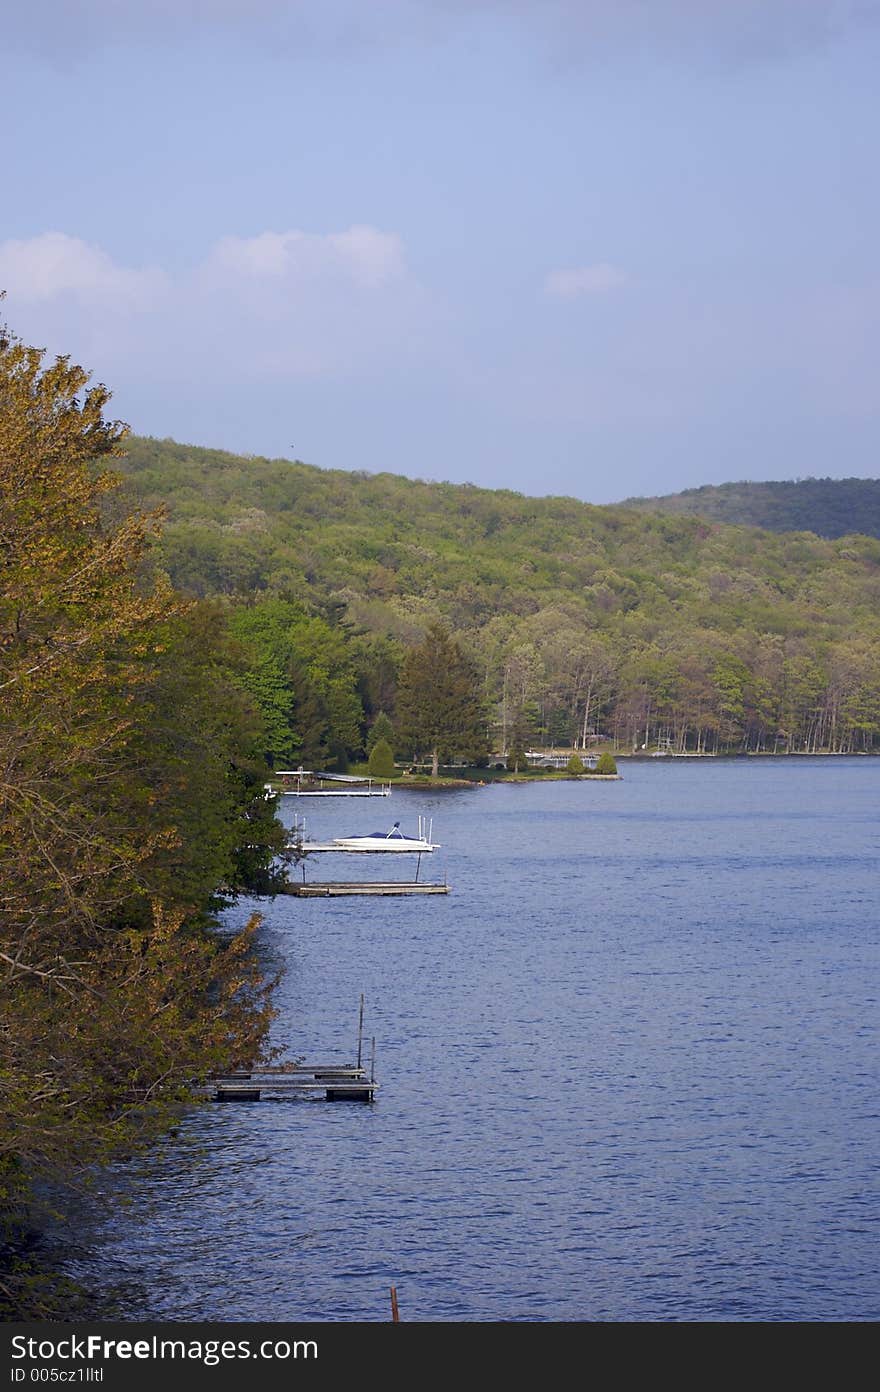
(593,247)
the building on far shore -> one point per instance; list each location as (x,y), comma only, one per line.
(546,758)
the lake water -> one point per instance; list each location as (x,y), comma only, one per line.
(628,1069)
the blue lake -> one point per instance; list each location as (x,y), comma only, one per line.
(628,1069)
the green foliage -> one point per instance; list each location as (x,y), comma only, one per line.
(131,796)
(381,761)
(439,708)
(605,763)
(303,677)
(381,729)
(376,657)
(828,507)
(641,627)
(195,753)
(575,765)
(520,738)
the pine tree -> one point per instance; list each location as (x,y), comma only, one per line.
(520,739)
(381,729)
(439,705)
(381,761)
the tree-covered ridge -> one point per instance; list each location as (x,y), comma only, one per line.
(240,525)
(828,507)
(582,620)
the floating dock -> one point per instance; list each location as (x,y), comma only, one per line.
(332,889)
(310,783)
(343,1083)
(335,792)
(339,1082)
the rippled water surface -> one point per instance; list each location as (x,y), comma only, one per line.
(628,1069)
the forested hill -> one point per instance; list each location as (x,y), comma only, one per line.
(828,507)
(241,524)
(581,618)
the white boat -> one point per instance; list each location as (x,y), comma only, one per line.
(393,841)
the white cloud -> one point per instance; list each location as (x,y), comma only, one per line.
(373,257)
(362,254)
(54,264)
(278,305)
(584,280)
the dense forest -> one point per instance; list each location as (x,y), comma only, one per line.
(132,807)
(175,622)
(828,507)
(581,624)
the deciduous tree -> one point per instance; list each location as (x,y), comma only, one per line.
(130,793)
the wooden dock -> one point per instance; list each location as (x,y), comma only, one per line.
(338,1082)
(332,793)
(331,889)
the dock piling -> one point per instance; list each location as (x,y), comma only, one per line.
(339,1082)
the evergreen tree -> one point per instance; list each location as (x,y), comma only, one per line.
(439,706)
(309,717)
(381,760)
(381,729)
(520,738)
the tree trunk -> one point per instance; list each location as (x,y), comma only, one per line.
(586,724)
(435,762)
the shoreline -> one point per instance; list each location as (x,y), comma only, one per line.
(482,778)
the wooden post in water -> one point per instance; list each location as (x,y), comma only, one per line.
(373,1062)
(360,1029)
(418,863)
(395,1313)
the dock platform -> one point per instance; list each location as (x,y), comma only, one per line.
(338,1082)
(331,889)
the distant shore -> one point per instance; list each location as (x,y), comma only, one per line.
(482,777)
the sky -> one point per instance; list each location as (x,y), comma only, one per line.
(588,247)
